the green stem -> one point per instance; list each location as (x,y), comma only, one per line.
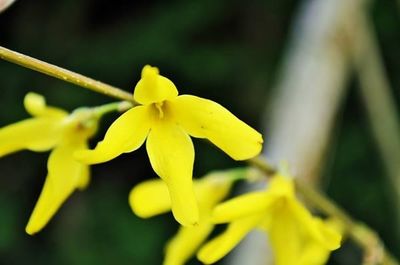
(120,106)
(245,173)
(63,74)
(236,174)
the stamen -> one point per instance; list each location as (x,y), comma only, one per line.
(159,108)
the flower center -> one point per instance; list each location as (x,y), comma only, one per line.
(159,106)
(281,203)
(82,121)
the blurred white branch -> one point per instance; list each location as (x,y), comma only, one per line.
(311,86)
(4,4)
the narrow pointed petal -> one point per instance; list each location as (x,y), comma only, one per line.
(218,247)
(38,134)
(171,155)
(204,118)
(65,175)
(153,87)
(125,135)
(35,105)
(150,198)
(244,205)
(84,179)
(327,237)
(184,244)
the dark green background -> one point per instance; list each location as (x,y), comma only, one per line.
(226,51)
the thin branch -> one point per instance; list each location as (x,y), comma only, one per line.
(63,74)
(379,101)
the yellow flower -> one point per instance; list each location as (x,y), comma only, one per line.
(51,128)
(151,198)
(291,228)
(167,120)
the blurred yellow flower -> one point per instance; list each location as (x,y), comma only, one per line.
(51,128)
(151,198)
(167,120)
(295,235)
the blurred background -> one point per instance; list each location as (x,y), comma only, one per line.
(299,71)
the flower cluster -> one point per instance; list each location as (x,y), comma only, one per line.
(162,117)
(296,236)
(165,121)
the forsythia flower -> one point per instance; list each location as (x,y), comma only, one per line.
(51,128)
(151,198)
(295,235)
(167,120)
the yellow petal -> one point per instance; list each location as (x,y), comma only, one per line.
(37,134)
(314,254)
(150,198)
(171,155)
(325,236)
(204,118)
(251,203)
(65,175)
(35,105)
(153,87)
(126,134)
(211,189)
(285,237)
(218,247)
(183,245)
(84,179)
(281,186)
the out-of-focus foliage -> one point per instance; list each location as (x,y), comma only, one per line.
(223,50)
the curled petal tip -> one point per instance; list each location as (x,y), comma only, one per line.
(33,227)
(150,198)
(189,221)
(206,256)
(30,231)
(149,70)
(203,118)
(186,214)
